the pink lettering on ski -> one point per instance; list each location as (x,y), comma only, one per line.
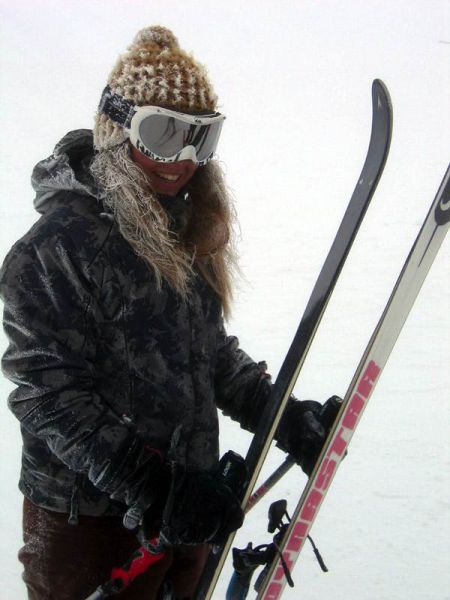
(338,444)
(324,476)
(355,406)
(273,591)
(368,379)
(297,536)
(312,502)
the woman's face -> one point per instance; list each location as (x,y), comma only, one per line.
(164,178)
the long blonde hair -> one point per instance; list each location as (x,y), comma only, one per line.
(205,244)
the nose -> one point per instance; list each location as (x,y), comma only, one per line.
(188,153)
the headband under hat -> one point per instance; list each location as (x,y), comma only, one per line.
(155,71)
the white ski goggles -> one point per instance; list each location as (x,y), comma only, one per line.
(162,134)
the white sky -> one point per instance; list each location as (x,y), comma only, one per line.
(293,78)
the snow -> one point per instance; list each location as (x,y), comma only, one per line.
(294,81)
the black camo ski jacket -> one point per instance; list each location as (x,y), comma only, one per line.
(99,356)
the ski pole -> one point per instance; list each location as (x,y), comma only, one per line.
(142,559)
(121,577)
(270,482)
(247,560)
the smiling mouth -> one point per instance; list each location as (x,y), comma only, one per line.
(168,176)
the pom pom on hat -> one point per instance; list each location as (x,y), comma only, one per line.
(157,34)
(155,71)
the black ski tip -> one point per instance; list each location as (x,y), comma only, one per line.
(380,95)
(382,120)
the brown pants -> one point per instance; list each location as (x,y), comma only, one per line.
(68,562)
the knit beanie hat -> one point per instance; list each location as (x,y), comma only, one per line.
(155,71)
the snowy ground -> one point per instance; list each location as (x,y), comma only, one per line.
(294,80)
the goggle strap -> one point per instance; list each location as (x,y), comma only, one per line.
(116,108)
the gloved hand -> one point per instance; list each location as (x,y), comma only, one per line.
(146,484)
(200,508)
(304,427)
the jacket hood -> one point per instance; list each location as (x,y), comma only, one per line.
(67,169)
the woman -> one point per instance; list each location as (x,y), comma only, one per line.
(114,304)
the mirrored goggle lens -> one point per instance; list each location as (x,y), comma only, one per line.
(167,136)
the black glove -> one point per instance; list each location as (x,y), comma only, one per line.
(146,484)
(304,427)
(200,508)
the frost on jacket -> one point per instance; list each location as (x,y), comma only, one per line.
(101,357)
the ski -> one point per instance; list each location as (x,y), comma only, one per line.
(406,289)
(328,276)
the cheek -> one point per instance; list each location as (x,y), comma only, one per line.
(190,170)
(148,169)
(143,161)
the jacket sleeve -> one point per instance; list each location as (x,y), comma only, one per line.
(47,306)
(242,386)
(242,391)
